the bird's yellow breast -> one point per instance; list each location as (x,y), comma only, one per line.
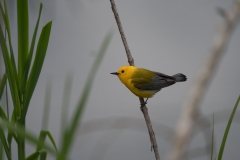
(126,74)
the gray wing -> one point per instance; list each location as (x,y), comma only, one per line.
(155,82)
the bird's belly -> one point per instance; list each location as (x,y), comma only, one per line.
(144,93)
(141,93)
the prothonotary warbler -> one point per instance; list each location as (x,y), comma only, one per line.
(145,83)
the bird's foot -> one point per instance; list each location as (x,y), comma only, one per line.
(144,103)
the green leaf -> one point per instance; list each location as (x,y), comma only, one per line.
(3,139)
(1,150)
(43,155)
(227,130)
(2,12)
(33,156)
(3,115)
(2,85)
(52,141)
(9,139)
(37,66)
(4,143)
(22,19)
(6,21)
(7,27)
(29,58)
(11,135)
(70,132)
(11,66)
(212,145)
(46,110)
(65,103)
(42,138)
(29,136)
(10,75)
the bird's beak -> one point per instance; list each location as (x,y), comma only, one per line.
(116,73)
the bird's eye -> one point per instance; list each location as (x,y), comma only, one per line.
(122,71)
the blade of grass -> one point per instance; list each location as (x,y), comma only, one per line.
(10,75)
(33,156)
(4,143)
(52,141)
(42,138)
(7,149)
(22,19)
(3,115)
(2,85)
(22,7)
(70,132)
(46,110)
(9,139)
(29,58)
(7,106)
(65,103)
(1,150)
(37,66)
(11,135)
(29,136)
(3,14)
(7,27)
(227,130)
(2,137)
(43,155)
(212,145)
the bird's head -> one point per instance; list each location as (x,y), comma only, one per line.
(124,73)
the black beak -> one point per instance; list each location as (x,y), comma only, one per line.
(116,73)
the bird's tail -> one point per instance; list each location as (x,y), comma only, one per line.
(180,77)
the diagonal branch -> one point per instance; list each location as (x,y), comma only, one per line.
(196,94)
(124,40)
(131,62)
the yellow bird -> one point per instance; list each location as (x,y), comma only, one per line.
(145,83)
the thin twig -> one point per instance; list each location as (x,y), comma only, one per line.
(190,109)
(154,146)
(131,62)
(124,40)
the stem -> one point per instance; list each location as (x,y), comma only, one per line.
(154,146)
(21,143)
(124,40)
(131,62)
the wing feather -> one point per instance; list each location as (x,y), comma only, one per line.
(144,80)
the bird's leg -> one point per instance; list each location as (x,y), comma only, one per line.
(146,101)
(143,104)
